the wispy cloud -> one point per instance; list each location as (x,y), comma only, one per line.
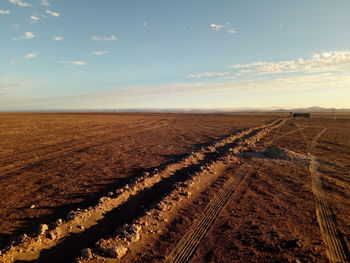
(57,38)
(75,63)
(76,73)
(34,18)
(327,61)
(26,35)
(10,89)
(301,82)
(99,53)
(170,94)
(231,31)
(12,61)
(228,28)
(216,26)
(19,3)
(111,38)
(31,55)
(127,96)
(4,12)
(52,13)
(45,3)
(208,74)
(8,84)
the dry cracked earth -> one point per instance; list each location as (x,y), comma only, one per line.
(174,188)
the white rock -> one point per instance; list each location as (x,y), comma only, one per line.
(116,252)
(42,229)
(119,191)
(134,237)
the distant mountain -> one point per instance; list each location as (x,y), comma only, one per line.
(312,109)
(196,110)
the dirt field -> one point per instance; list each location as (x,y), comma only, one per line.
(175,188)
(58,162)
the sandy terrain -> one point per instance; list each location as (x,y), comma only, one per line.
(176,187)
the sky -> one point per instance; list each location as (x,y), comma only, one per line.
(189,54)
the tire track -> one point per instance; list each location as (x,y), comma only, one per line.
(46,156)
(88,223)
(189,243)
(337,250)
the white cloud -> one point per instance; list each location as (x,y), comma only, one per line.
(19,3)
(76,73)
(207,74)
(111,38)
(144,23)
(31,55)
(12,61)
(34,18)
(216,26)
(57,38)
(4,12)
(26,35)
(327,61)
(52,13)
(75,63)
(8,84)
(231,31)
(168,92)
(45,3)
(99,53)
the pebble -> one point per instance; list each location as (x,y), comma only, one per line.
(103,199)
(42,229)
(134,237)
(22,238)
(32,206)
(51,236)
(110,194)
(116,252)
(86,253)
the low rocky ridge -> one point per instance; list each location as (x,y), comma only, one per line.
(158,218)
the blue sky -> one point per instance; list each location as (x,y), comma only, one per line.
(89,54)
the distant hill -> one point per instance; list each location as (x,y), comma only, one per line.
(312,109)
(195,110)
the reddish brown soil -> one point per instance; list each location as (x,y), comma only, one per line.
(58,162)
(271,217)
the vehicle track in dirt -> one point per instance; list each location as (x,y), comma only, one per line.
(86,227)
(337,250)
(48,155)
(189,243)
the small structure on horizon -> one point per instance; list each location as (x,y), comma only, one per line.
(301,115)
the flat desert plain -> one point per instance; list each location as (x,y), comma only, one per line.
(142,187)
